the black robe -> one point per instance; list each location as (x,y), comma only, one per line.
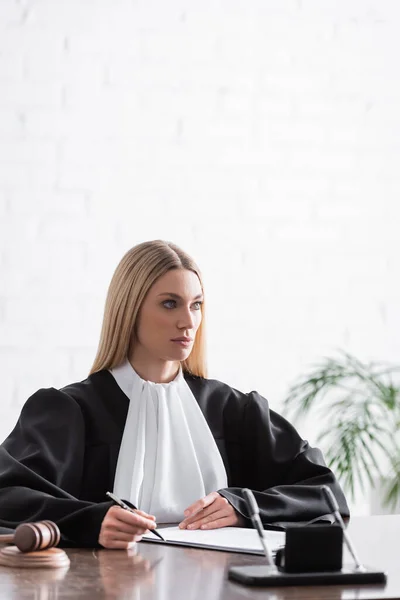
(60,459)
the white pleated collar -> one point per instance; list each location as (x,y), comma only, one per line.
(126,377)
(168,457)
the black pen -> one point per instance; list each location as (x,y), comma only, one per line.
(132,509)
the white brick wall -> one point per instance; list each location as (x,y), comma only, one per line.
(261,135)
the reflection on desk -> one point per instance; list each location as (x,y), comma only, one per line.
(41,584)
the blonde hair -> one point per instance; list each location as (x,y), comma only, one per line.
(138,270)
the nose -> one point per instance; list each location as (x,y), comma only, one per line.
(186,319)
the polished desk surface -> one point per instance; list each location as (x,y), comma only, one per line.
(159,572)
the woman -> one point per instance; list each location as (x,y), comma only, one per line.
(148,425)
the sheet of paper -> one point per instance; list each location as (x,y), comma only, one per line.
(235,539)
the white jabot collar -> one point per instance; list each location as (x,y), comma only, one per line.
(168,457)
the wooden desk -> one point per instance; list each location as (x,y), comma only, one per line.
(171,573)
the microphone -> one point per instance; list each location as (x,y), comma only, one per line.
(254,513)
(334,508)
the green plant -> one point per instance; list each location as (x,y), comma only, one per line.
(358,408)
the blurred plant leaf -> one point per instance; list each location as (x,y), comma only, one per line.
(358,407)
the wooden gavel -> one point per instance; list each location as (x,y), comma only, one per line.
(30,537)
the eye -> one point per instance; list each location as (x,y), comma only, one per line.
(169,304)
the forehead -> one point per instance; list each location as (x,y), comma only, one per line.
(178,281)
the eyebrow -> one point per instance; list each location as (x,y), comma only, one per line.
(177,297)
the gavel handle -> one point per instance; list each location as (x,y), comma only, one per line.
(6,538)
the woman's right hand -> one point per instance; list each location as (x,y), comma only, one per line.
(121,528)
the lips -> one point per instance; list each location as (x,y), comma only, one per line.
(186,340)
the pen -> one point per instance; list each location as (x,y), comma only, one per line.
(334,507)
(254,513)
(122,504)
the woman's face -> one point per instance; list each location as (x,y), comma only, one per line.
(170,316)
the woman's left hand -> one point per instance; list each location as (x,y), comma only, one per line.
(211,512)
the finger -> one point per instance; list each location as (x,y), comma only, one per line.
(133,518)
(221,514)
(218,523)
(127,515)
(115,525)
(108,538)
(213,517)
(197,517)
(220,504)
(200,504)
(143,514)
(119,536)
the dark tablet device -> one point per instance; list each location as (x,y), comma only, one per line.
(265,576)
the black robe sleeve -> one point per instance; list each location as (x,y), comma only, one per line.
(41,468)
(283,471)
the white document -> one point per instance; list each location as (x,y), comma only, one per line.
(230,539)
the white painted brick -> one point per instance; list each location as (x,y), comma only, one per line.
(23,94)
(4,203)
(130,42)
(63,229)
(48,124)
(82,358)
(54,202)
(89,16)
(12,357)
(23,175)
(11,14)
(11,70)
(12,230)
(29,259)
(85,123)
(27,151)
(12,123)
(63,69)
(19,311)
(27,40)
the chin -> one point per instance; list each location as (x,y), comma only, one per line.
(180,354)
